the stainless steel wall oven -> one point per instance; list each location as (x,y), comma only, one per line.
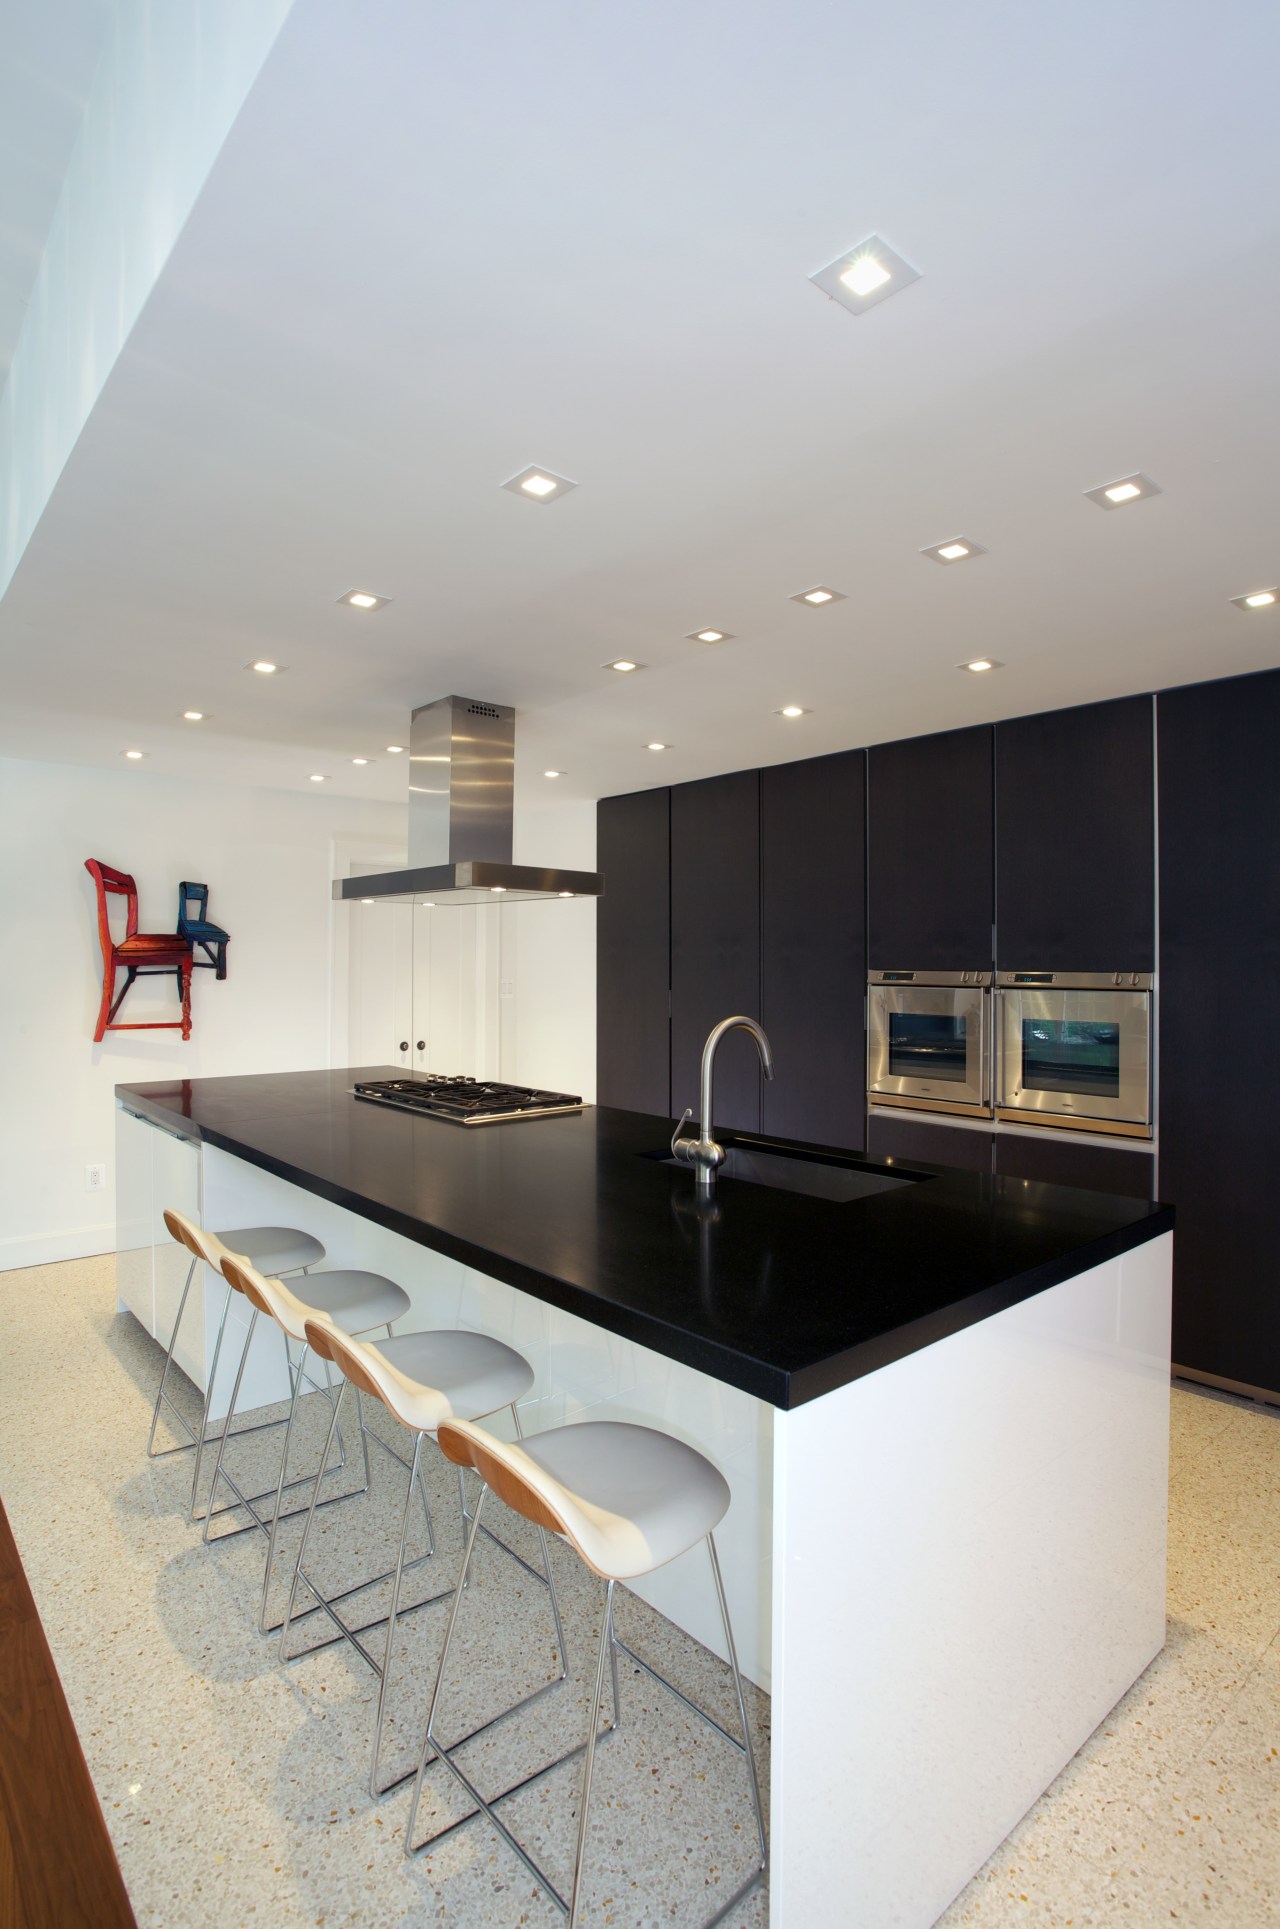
(928,1038)
(1074,1049)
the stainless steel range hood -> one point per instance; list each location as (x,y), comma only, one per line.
(462,762)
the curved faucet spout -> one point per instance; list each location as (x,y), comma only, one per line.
(703,1153)
(709,1051)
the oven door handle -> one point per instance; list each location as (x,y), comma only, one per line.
(999,1088)
(993,1048)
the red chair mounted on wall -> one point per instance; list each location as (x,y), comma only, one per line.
(140,954)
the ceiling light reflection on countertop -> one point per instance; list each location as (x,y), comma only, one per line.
(865,275)
(1256,599)
(1125,489)
(820,593)
(539,485)
(956,549)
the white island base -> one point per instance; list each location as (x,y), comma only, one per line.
(947,1572)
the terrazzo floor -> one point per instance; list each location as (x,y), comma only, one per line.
(235,1788)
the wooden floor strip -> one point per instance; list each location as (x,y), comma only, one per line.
(57,1867)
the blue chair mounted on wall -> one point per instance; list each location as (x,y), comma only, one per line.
(194,925)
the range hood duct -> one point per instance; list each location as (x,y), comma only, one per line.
(462,764)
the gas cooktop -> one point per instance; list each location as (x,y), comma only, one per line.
(465,1101)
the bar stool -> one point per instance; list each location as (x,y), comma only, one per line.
(423,1380)
(627,1500)
(359,1300)
(283,1249)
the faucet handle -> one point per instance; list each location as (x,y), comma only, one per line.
(675,1136)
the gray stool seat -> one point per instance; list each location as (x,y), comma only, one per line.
(354,1301)
(273,1249)
(449,1375)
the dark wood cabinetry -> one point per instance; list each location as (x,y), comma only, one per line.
(813,947)
(1066,1162)
(715,940)
(930,862)
(1219,1041)
(1075,839)
(633,952)
(915,1141)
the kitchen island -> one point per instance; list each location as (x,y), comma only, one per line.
(940,1399)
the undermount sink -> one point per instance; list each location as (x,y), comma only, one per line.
(837,1179)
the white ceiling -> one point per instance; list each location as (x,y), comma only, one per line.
(49,51)
(444,243)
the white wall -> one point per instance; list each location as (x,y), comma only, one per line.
(172,79)
(549,960)
(267,857)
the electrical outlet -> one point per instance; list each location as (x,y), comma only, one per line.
(95,1178)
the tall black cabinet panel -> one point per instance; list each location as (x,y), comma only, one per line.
(715,939)
(633,952)
(930,863)
(1219,1039)
(1075,839)
(813,947)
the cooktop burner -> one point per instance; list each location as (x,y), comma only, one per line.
(466,1101)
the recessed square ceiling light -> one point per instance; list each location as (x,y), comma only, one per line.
(539,485)
(864,275)
(981,663)
(792,710)
(359,760)
(1257,599)
(364,599)
(709,636)
(1114,495)
(956,549)
(135,755)
(623,665)
(264,668)
(655,745)
(193,716)
(394,749)
(316,778)
(818,595)
(553,773)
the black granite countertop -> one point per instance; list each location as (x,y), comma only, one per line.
(782,1295)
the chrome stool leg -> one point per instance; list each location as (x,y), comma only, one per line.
(208,1397)
(190,1440)
(247,1501)
(433,1750)
(326,1603)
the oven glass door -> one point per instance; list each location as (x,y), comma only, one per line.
(1077,1054)
(928,1043)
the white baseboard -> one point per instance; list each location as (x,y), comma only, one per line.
(47,1249)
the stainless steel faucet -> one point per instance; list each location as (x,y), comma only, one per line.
(703,1154)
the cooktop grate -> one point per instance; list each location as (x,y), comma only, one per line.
(465,1101)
